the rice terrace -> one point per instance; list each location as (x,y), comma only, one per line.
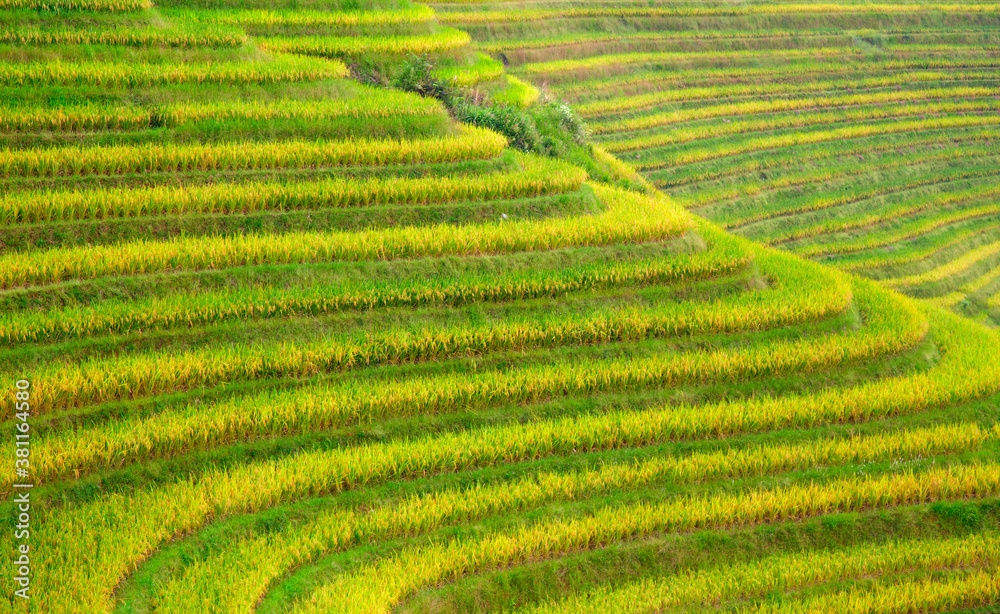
(534,307)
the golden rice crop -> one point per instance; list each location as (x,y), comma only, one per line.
(789,104)
(906,256)
(781,573)
(339,46)
(280,68)
(981,282)
(417,13)
(328,406)
(484,68)
(521,15)
(947,301)
(805,138)
(731,191)
(77,5)
(136,37)
(628,218)
(994,301)
(378,587)
(960,140)
(748,214)
(378,104)
(904,233)
(804,120)
(469,143)
(122,317)
(880,215)
(537,177)
(112,535)
(517,93)
(254,563)
(954,267)
(619,169)
(956,590)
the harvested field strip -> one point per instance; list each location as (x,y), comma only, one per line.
(793,104)
(954,267)
(983,281)
(578,38)
(673,58)
(936,110)
(879,215)
(820,175)
(797,74)
(880,260)
(783,574)
(471,17)
(765,143)
(905,232)
(603,108)
(752,212)
(887,145)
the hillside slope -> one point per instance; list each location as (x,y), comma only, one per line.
(859,135)
(295,339)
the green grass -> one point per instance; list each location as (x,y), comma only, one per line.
(296,336)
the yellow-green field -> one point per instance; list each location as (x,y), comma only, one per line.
(526,307)
(862,136)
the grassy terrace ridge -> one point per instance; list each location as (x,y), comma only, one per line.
(694,100)
(472,306)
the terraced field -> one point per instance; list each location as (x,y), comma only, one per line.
(859,135)
(292,338)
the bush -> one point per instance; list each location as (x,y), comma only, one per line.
(417,75)
(519,127)
(542,130)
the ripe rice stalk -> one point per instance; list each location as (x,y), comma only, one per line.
(379,104)
(378,587)
(679,136)
(628,218)
(525,15)
(257,562)
(124,317)
(280,68)
(447,39)
(131,526)
(785,573)
(805,138)
(537,177)
(471,143)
